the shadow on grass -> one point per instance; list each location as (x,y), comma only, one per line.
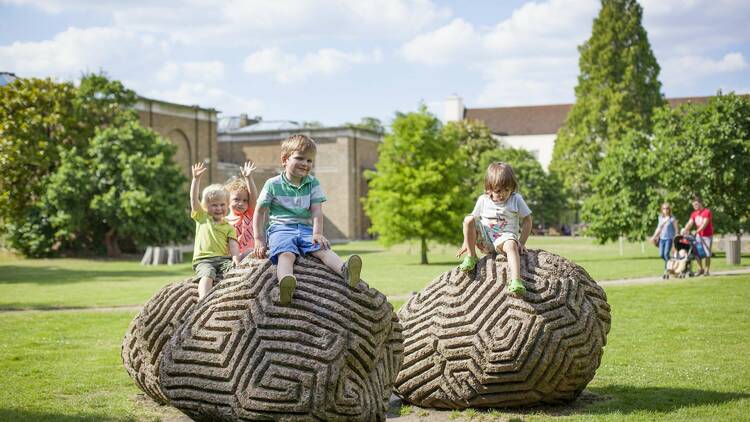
(631,399)
(28,415)
(11,274)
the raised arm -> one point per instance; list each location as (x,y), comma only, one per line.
(247,174)
(198,169)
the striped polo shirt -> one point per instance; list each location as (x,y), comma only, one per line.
(290,204)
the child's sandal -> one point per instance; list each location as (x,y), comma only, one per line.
(468,264)
(352,269)
(516,287)
(286,289)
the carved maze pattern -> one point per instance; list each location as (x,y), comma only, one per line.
(468,343)
(333,354)
(151,329)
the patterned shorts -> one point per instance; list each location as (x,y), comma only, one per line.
(489,241)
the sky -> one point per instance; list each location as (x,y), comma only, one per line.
(336,61)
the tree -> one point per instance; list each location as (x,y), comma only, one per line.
(50,201)
(705,149)
(474,139)
(124,185)
(541,191)
(625,196)
(37,121)
(416,192)
(617,90)
(369,123)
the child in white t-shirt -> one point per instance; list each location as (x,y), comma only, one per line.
(500,222)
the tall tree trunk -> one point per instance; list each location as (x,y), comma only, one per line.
(110,241)
(424,251)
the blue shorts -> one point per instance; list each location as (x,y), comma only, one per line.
(294,238)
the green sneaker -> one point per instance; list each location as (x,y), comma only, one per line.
(516,287)
(468,263)
(286,289)
(352,269)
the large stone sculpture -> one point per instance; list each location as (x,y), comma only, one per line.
(151,329)
(333,354)
(468,343)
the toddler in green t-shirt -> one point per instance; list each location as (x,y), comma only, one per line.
(216,248)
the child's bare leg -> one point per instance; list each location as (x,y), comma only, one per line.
(204,286)
(350,271)
(331,260)
(285,274)
(470,244)
(510,248)
(470,236)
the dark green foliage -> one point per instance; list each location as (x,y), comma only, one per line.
(474,139)
(541,191)
(617,91)
(625,199)
(705,149)
(416,191)
(82,172)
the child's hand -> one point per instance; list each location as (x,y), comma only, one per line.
(248,169)
(521,248)
(463,250)
(320,239)
(260,249)
(198,170)
(236,261)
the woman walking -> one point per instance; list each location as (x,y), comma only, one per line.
(665,232)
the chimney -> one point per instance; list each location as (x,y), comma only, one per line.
(454,109)
(243,120)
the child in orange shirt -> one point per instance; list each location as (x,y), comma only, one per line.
(243,194)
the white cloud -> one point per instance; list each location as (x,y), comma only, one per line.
(212,71)
(682,70)
(76,50)
(207,96)
(258,22)
(455,41)
(288,67)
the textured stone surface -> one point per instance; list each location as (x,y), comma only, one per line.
(468,343)
(151,329)
(333,354)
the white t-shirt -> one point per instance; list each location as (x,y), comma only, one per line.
(501,217)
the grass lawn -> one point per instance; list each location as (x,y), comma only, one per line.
(676,351)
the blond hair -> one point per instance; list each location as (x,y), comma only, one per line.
(666,205)
(213,193)
(500,176)
(235,184)
(297,143)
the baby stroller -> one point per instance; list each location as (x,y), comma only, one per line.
(687,248)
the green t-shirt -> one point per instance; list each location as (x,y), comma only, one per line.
(211,238)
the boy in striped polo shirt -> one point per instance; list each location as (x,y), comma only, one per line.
(293,201)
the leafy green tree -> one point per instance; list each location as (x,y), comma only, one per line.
(128,187)
(541,191)
(617,90)
(705,149)
(474,139)
(369,123)
(416,191)
(626,197)
(37,121)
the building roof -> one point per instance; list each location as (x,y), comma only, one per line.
(6,78)
(270,125)
(537,120)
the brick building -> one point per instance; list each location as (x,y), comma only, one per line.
(344,153)
(192,129)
